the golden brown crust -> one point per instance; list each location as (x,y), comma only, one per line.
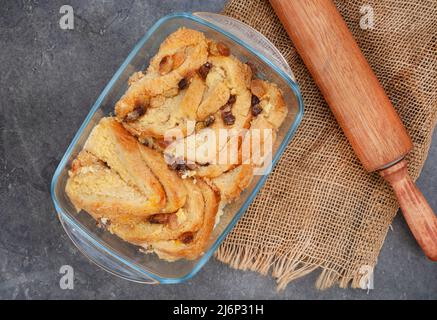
(177,249)
(271,102)
(169,113)
(216,94)
(110,143)
(160,79)
(235,75)
(232,183)
(187,219)
(175,190)
(97,189)
(227,78)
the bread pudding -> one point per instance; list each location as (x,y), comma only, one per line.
(179,147)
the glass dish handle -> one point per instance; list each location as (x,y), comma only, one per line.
(250,36)
(102,260)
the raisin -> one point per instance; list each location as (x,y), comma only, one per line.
(186,237)
(256,110)
(209,120)
(181,167)
(160,218)
(228,118)
(223,49)
(137,112)
(226,110)
(204,70)
(178,165)
(182,84)
(232,99)
(255,100)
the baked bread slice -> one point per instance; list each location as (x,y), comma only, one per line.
(175,189)
(168,226)
(170,114)
(232,183)
(226,100)
(272,110)
(191,245)
(139,166)
(235,75)
(110,143)
(271,102)
(95,188)
(227,76)
(179,56)
(92,186)
(272,113)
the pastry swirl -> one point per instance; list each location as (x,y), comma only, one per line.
(137,185)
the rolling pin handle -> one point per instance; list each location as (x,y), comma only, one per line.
(416,210)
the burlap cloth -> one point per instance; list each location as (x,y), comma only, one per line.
(319,209)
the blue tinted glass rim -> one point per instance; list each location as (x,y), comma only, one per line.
(243,208)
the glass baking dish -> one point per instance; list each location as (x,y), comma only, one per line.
(122,258)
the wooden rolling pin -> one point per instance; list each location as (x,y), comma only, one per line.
(359,104)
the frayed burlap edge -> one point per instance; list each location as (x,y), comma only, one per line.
(287,268)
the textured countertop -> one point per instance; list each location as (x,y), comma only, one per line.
(49,78)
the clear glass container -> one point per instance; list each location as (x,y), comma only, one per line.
(122,258)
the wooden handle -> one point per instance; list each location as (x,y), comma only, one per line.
(417,212)
(346,80)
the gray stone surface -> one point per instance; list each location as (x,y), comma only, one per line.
(49,78)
